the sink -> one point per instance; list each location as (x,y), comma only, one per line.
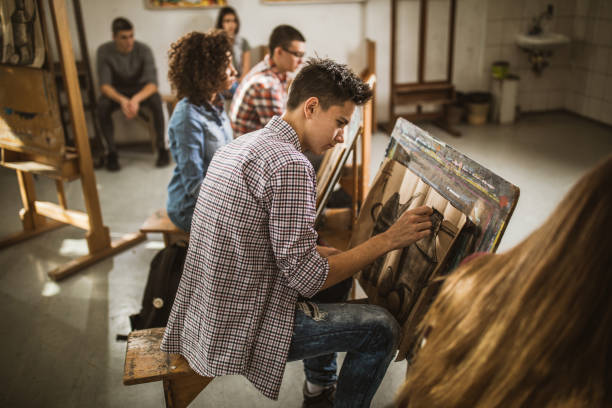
(543,41)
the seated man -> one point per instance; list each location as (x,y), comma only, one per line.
(248,301)
(262,93)
(128,80)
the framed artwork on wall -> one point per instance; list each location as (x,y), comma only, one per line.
(182,4)
(309,1)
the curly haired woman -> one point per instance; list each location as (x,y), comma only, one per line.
(531,327)
(200,68)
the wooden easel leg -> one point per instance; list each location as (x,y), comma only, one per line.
(77,264)
(445,126)
(61,195)
(366,147)
(355,194)
(180,391)
(30,219)
(31,233)
(99,237)
(98,240)
(33,223)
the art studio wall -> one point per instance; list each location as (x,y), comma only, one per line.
(335,30)
(484,32)
(579,77)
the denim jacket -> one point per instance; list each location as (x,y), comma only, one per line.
(195,133)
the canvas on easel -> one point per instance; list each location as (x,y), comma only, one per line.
(21,38)
(30,115)
(472,207)
(353,178)
(32,142)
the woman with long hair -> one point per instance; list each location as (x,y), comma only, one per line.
(531,327)
(228,21)
(200,68)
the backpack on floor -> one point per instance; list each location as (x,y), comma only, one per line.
(162,284)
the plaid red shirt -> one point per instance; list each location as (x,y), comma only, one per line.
(252,251)
(261,95)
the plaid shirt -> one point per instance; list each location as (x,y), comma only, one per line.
(252,252)
(261,95)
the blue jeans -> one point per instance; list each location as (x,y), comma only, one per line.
(367,333)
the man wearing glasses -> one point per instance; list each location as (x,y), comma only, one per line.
(262,93)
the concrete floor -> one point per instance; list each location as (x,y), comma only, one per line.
(58,339)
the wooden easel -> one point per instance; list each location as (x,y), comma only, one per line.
(57,161)
(368,74)
(355,178)
(360,189)
(85,75)
(423,92)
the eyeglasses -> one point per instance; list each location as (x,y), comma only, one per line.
(297,54)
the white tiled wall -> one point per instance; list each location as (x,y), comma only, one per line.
(590,91)
(506,19)
(579,77)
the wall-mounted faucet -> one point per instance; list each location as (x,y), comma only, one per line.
(536,25)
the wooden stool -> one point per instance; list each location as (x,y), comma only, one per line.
(159,222)
(145,362)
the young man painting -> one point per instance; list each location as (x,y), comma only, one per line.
(250,298)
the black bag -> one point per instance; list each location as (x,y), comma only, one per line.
(162,284)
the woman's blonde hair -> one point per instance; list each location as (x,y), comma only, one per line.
(532,326)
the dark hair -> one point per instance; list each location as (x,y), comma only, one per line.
(332,83)
(282,36)
(121,24)
(225,11)
(197,64)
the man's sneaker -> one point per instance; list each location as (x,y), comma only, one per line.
(323,400)
(112,162)
(163,158)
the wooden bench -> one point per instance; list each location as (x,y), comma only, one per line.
(145,362)
(160,223)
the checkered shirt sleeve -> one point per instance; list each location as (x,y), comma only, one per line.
(291,229)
